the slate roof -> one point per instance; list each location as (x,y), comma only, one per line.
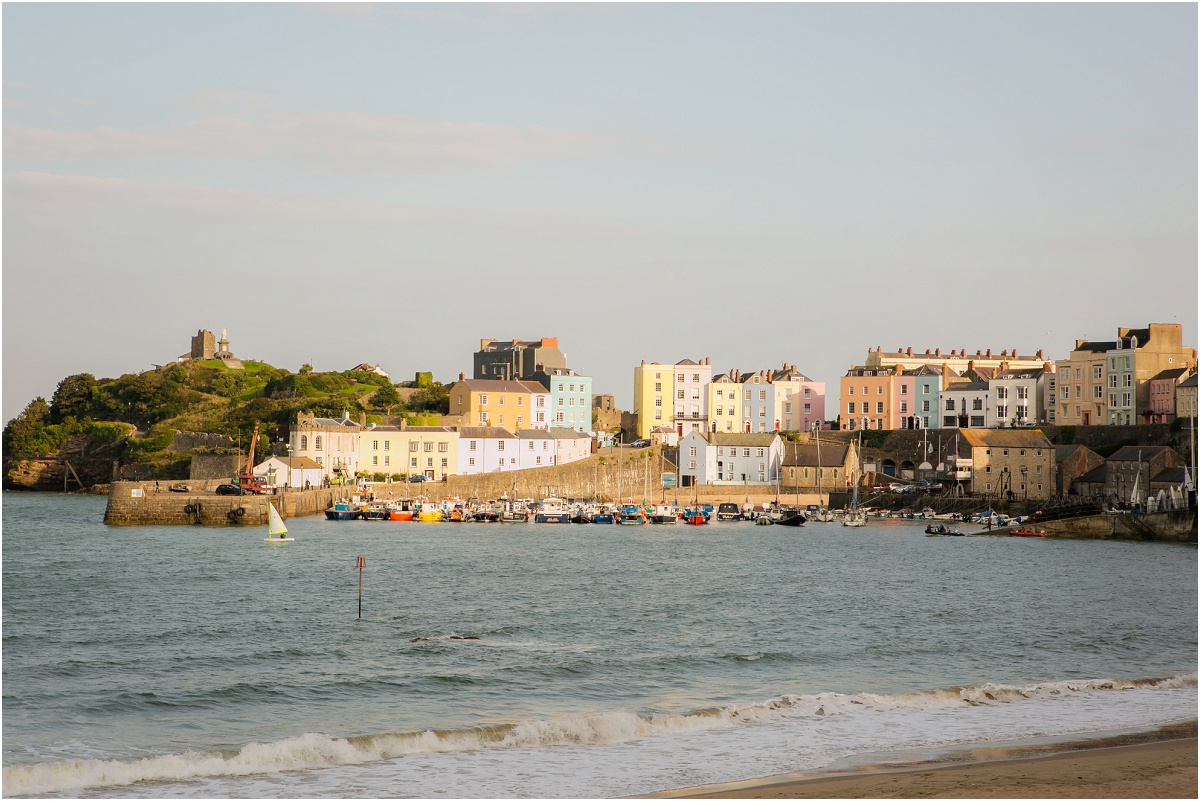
(1166,374)
(1129,453)
(1061,452)
(1097,475)
(1097,347)
(485,432)
(500,385)
(1189,382)
(796,454)
(1170,475)
(967,386)
(740,440)
(1005,438)
(432,429)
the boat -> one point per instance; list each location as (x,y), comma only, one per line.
(791,518)
(764,520)
(514,512)
(603,516)
(276,530)
(375,511)
(694,516)
(729,511)
(1026,532)
(631,515)
(400,511)
(663,515)
(343,510)
(428,513)
(552,510)
(854,516)
(942,530)
(487,515)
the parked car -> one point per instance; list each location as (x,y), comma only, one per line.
(180,488)
(230,489)
(640,443)
(417,478)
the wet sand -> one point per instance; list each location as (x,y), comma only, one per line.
(1155,764)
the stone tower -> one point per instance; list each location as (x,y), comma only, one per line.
(204,345)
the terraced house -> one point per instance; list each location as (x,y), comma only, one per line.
(671,395)
(511,405)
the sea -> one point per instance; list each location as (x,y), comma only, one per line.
(558,661)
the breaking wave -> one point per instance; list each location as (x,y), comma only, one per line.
(315,751)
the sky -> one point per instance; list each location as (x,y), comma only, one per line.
(758,184)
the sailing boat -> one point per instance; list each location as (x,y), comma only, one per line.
(276,530)
(854,516)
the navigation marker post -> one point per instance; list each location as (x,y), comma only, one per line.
(360,563)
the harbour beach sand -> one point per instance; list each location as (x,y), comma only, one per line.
(1154,764)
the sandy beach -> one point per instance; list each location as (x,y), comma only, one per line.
(1156,764)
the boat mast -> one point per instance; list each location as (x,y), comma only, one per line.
(817,432)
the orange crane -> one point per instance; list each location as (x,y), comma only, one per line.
(246,479)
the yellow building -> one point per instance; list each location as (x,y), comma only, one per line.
(671,395)
(723,406)
(429,451)
(511,405)
(956,360)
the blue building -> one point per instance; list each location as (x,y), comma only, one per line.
(928,383)
(570,398)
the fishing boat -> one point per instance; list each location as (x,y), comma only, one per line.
(375,511)
(663,515)
(429,513)
(276,530)
(631,515)
(791,517)
(514,512)
(552,510)
(603,516)
(694,516)
(343,510)
(400,511)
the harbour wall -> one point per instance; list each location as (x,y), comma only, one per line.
(202,507)
(1160,526)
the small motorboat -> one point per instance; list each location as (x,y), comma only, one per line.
(663,514)
(942,530)
(729,511)
(694,517)
(1026,532)
(552,510)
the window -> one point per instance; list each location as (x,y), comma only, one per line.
(427,447)
(1066,392)
(807,408)
(679,378)
(1112,381)
(471,461)
(762,394)
(472,448)
(500,445)
(1002,410)
(658,402)
(745,451)
(445,463)
(541,401)
(483,399)
(879,407)
(747,394)
(949,404)
(1001,393)
(412,447)
(1125,399)
(317,442)
(374,460)
(483,418)
(925,406)
(977,421)
(387,460)
(691,451)
(807,392)
(413,461)
(303,442)
(1112,400)
(879,389)
(1127,380)
(501,400)
(976,404)
(903,406)
(679,394)
(387,443)
(374,444)
(904,389)
(1097,372)
(658,387)
(695,378)
(443,447)
(1097,392)
(851,390)
(924,389)
(429,462)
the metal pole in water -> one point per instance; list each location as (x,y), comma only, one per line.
(360,564)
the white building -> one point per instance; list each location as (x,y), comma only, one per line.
(290,472)
(718,458)
(487,449)
(1017,398)
(965,405)
(330,442)
(571,445)
(536,449)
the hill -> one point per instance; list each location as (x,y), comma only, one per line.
(100,426)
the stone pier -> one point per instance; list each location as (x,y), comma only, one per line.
(135,503)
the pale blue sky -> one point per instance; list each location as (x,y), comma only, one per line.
(754,183)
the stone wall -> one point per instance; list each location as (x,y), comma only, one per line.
(185,441)
(217,467)
(1164,526)
(200,507)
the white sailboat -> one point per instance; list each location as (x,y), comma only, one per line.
(276,530)
(854,516)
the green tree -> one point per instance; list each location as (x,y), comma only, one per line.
(73,397)
(385,397)
(430,399)
(305,368)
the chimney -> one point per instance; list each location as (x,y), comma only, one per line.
(1004,367)
(1014,352)
(461,377)
(910,351)
(939,352)
(989,353)
(927,352)
(978,352)
(879,348)
(1004,352)
(643,362)
(1041,354)
(953,352)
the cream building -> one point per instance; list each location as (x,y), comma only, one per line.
(330,442)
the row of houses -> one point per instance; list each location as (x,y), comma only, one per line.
(341,449)
(686,397)
(1133,474)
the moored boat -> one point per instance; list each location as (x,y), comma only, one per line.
(552,510)
(1026,532)
(343,510)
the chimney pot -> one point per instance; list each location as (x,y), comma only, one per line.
(939,352)
(461,376)
(989,353)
